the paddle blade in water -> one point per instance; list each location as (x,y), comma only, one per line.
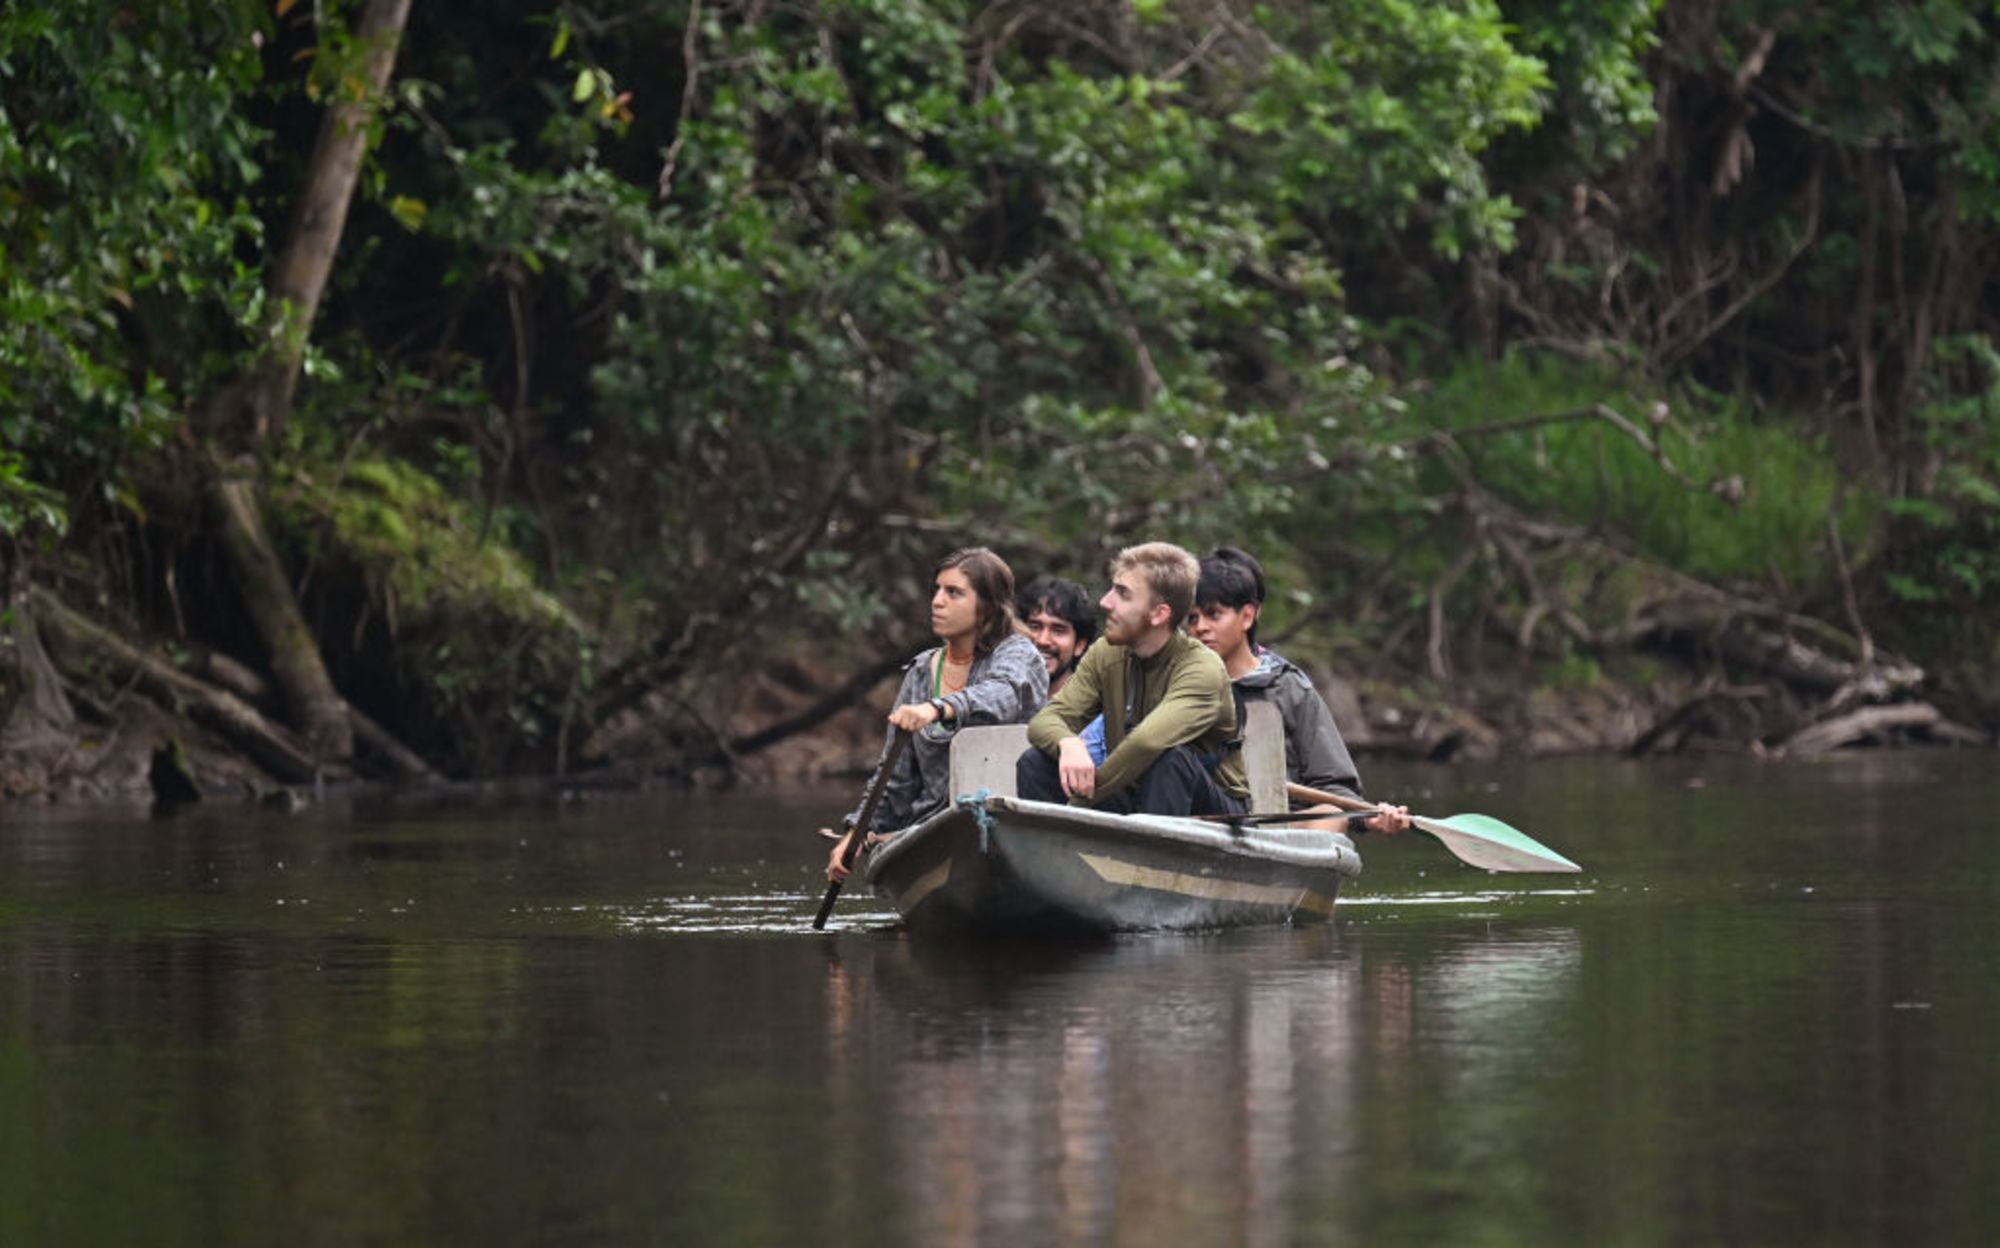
(1486,842)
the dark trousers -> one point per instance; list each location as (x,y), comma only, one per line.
(1176,784)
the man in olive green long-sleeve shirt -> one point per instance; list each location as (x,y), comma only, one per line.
(1169,716)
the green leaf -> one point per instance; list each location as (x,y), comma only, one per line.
(409,212)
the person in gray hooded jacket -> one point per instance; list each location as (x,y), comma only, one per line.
(1228,599)
(985,672)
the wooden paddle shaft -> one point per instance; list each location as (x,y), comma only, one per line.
(877,785)
(1490,845)
(1342,801)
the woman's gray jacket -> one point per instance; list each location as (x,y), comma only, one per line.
(1006,686)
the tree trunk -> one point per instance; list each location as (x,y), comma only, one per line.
(313,705)
(298,279)
(245,414)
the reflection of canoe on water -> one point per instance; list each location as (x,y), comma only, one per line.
(999,863)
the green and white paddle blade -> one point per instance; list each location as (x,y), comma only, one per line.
(1486,842)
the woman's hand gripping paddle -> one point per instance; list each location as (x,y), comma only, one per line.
(877,785)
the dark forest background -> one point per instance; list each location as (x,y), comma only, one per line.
(393,388)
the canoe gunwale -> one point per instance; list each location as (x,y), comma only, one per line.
(1306,848)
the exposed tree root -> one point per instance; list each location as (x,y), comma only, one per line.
(1761,677)
(82,647)
(80,644)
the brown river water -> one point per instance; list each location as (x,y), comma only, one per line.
(1767,1013)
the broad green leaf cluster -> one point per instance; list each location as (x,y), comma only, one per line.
(128,164)
(1066,278)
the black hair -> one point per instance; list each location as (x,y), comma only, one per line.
(1231,578)
(1245,560)
(1066,600)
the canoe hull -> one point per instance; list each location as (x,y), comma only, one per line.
(1000,864)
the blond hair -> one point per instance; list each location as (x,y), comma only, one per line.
(1168,571)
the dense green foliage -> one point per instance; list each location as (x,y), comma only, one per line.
(725,319)
(128,160)
(1953,521)
(908,266)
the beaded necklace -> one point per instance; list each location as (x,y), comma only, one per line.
(938,689)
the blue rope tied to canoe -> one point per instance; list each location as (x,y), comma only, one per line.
(975,804)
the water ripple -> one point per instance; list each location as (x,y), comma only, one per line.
(746,913)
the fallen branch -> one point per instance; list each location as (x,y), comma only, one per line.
(1799,664)
(1857,726)
(397,759)
(1700,606)
(243,725)
(238,678)
(1436,654)
(1541,603)
(1451,438)
(1708,611)
(1848,601)
(1672,730)
(825,708)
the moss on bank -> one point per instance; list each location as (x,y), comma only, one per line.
(1692,480)
(431,619)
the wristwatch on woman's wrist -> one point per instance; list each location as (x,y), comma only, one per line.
(940,706)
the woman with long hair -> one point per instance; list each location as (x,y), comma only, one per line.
(984,671)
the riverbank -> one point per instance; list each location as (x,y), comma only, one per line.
(82,732)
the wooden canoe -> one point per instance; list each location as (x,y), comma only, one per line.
(991,862)
(1000,864)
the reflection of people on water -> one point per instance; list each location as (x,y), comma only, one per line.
(1170,724)
(1018,1098)
(985,672)
(1228,600)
